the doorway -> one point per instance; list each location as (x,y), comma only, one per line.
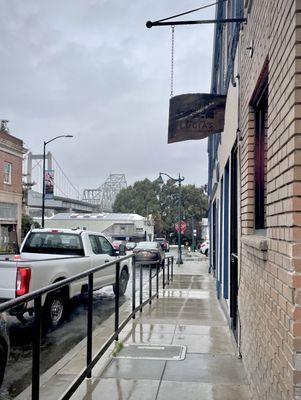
(214,238)
(234,243)
(226,232)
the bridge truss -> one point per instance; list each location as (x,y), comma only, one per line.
(104,197)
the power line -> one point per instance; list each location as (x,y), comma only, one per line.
(66,177)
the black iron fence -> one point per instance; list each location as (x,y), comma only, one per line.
(36,297)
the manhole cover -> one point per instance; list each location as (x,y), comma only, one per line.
(152,352)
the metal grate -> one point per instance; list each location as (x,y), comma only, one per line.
(152,352)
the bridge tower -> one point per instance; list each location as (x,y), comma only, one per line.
(104,197)
(30,157)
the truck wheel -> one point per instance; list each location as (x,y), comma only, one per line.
(206,252)
(55,309)
(3,360)
(123,282)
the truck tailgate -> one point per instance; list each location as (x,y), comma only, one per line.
(8,271)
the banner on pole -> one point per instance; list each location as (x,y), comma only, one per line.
(49,184)
(195,116)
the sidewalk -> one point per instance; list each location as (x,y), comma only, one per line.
(186,314)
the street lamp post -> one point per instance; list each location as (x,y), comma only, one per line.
(179,180)
(44,162)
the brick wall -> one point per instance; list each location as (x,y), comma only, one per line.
(270,280)
(16,183)
(11,149)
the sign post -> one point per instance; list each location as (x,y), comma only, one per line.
(181,226)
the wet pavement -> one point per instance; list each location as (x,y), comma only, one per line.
(186,314)
(55,343)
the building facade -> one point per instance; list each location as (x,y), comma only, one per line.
(255,189)
(11,156)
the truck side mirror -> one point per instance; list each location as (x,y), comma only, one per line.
(122,250)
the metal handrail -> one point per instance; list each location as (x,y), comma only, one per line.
(36,296)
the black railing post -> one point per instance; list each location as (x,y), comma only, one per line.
(36,344)
(117,298)
(150,284)
(157,280)
(163,266)
(171,268)
(36,298)
(141,287)
(133,286)
(168,262)
(90,323)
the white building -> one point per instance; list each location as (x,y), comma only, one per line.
(130,227)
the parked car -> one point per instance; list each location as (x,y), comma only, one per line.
(130,245)
(164,243)
(204,248)
(4,346)
(51,255)
(148,252)
(116,244)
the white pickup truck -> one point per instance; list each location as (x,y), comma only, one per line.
(51,255)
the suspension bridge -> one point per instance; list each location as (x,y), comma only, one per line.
(67,196)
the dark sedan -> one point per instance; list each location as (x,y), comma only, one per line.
(148,252)
(4,346)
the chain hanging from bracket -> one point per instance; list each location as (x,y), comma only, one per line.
(172,60)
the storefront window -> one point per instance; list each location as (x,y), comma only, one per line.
(8,239)
(8,211)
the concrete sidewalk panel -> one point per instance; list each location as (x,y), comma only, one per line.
(205,344)
(135,369)
(218,369)
(113,389)
(201,391)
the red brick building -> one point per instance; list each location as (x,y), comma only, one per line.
(11,157)
(255,190)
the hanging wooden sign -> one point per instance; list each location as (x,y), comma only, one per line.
(195,116)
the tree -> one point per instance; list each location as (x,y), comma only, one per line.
(141,198)
(27,223)
(194,205)
(162,201)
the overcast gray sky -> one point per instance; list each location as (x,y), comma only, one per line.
(92,69)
